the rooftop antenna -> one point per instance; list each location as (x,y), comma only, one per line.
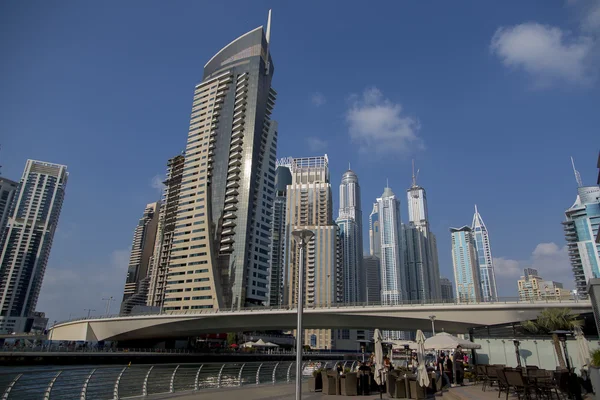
(577,174)
(414,176)
(349,169)
(268,37)
(387,182)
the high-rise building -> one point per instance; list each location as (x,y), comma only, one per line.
(8,189)
(167,220)
(533,287)
(223,225)
(374,234)
(372,279)
(283,178)
(137,282)
(484,256)
(446,289)
(349,222)
(394,275)
(309,206)
(466,266)
(581,229)
(27,240)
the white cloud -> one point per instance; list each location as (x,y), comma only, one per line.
(316,144)
(551,261)
(157,182)
(589,14)
(318,99)
(548,54)
(378,125)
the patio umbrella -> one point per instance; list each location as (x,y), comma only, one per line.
(583,347)
(379,368)
(422,376)
(445,341)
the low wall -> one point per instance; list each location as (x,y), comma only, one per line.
(538,352)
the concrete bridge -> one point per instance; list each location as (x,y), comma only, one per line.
(452,318)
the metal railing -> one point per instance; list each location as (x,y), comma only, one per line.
(138,381)
(415,303)
(129,350)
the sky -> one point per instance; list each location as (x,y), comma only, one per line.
(491,99)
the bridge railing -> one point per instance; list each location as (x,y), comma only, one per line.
(330,305)
(118,382)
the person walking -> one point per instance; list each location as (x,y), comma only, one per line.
(459,365)
(440,370)
(448,365)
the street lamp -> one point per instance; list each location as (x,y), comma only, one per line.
(108,301)
(302,237)
(432,318)
(89,310)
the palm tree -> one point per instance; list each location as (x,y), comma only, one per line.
(554,319)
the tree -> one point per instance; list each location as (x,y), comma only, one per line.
(554,319)
(231,338)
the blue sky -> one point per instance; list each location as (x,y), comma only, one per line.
(490,99)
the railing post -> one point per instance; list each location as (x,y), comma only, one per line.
(289,370)
(10,386)
(220,375)
(116,389)
(352,366)
(83,394)
(145,386)
(197,379)
(172,384)
(49,388)
(240,375)
(258,373)
(274,369)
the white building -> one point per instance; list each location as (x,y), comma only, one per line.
(484,257)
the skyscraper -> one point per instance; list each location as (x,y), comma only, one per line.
(349,222)
(372,279)
(283,178)
(164,235)
(446,289)
(8,189)
(227,189)
(137,281)
(374,234)
(484,255)
(466,266)
(309,206)
(27,240)
(421,248)
(581,228)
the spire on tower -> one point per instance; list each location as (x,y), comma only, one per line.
(268,37)
(269,27)
(577,174)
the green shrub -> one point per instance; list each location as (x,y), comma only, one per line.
(595,358)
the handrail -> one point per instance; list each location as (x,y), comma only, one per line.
(133,381)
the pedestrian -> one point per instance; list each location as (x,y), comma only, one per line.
(440,370)
(448,365)
(459,366)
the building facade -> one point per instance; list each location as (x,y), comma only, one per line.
(446,289)
(27,241)
(349,222)
(466,265)
(374,234)
(581,229)
(137,282)
(164,234)
(8,189)
(283,178)
(484,257)
(223,227)
(533,287)
(309,206)
(372,279)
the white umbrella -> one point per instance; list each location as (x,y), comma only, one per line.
(583,347)
(379,368)
(422,376)
(445,341)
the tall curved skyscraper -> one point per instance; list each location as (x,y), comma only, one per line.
(350,223)
(220,255)
(484,257)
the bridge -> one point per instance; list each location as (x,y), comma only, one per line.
(449,317)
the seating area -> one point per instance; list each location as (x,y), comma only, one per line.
(399,384)
(528,382)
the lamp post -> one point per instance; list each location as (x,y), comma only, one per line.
(89,310)
(302,237)
(108,300)
(517,352)
(432,318)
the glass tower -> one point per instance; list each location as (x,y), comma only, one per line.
(484,257)
(223,226)
(349,222)
(466,266)
(27,240)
